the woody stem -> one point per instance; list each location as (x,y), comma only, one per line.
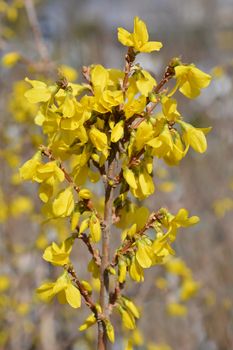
(104,274)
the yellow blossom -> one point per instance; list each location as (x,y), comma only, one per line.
(39,92)
(195,137)
(110,330)
(144,254)
(69,72)
(169,108)
(134,106)
(20,205)
(85,193)
(191,80)
(63,288)
(139,38)
(58,256)
(117,131)
(176,309)
(90,321)
(4,283)
(95,228)
(10,59)
(182,219)
(63,204)
(189,289)
(99,139)
(144,82)
(128,319)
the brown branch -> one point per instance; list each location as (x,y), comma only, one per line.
(86,72)
(104,273)
(169,73)
(88,301)
(94,252)
(129,59)
(102,172)
(113,298)
(33,20)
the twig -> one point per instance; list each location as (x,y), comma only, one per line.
(83,291)
(129,59)
(94,252)
(113,298)
(169,73)
(33,20)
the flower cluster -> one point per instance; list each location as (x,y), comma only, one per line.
(107,129)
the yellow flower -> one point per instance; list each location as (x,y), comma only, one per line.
(181,219)
(63,288)
(99,139)
(95,228)
(189,289)
(174,156)
(130,178)
(10,59)
(90,321)
(29,168)
(178,267)
(169,108)
(110,330)
(39,92)
(20,205)
(144,254)
(99,78)
(144,82)
(69,72)
(143,135)
(175,309)
(4,283)
(63,204)
(139,38)
(107,100)
(84,193)
(195,137)
(102,81)
(134,106)
(122,271)
(130,306)
(191,80)
(127,318)
(45,174)
(136,271)
(145,183)
(117,131)
(49,170)
(58,256)
(163,143)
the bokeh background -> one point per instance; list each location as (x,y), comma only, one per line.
(78,33)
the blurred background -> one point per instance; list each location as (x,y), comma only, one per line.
(77,33)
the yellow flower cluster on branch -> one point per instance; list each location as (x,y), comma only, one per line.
(108,129)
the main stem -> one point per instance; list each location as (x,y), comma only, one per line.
(104,274)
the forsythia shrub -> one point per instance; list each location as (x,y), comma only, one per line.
(107,131)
